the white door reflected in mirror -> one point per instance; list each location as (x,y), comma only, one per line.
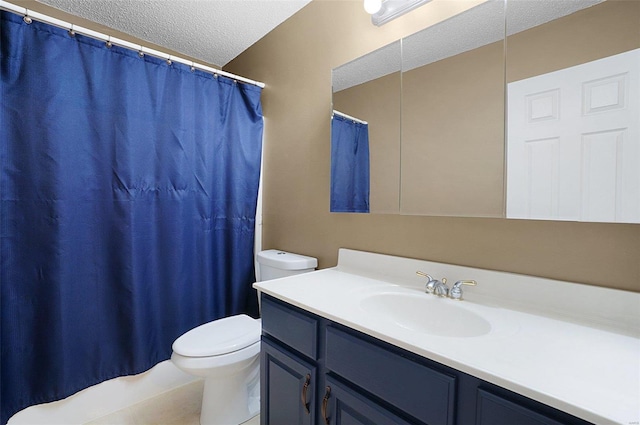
(573,149)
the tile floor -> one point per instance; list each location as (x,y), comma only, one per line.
(180,406)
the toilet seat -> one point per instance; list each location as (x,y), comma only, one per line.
(221,365)
(219,337)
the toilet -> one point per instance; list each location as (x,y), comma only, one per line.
(226,352)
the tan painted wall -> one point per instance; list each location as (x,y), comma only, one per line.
(295,61)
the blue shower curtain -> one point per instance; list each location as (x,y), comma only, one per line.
(128,196)
(349,165)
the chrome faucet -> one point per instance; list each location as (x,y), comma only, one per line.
(440,288)
(456,291)
(434,286)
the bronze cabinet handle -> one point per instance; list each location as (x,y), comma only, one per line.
(303,395)
(325,402)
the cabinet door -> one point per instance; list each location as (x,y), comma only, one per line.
(287,387)
(343,406)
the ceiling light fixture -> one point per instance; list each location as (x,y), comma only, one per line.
(391,9)
(372,6)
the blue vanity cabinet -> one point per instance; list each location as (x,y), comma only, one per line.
(288,365)
(297,388)
(315,371)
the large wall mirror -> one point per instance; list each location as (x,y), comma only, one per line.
(540,124)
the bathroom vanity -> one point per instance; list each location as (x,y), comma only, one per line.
(362,343)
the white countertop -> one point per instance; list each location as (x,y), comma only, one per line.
(590,370)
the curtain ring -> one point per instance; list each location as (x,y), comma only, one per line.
(193,67)
(169,60)
(140,53)
(72,33)
(26,18)
(108,43)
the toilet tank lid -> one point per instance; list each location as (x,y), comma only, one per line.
(286,260)
(221,336)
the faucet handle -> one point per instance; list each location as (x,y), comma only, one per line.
(431,282)
(456,290)
(423,274)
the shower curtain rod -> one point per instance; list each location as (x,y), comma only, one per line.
(30,14)
(349,117)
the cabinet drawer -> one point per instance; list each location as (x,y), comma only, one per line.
(346,407)
(420,391)
(290,326)
(497,410)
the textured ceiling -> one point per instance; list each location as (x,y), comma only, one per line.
(476,27)
(213,31)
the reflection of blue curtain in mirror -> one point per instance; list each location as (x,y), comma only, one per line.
(349,165)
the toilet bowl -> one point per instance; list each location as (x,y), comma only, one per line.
(226,352)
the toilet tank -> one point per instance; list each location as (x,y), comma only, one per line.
(275,264)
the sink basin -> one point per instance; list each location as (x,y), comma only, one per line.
(427,314)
